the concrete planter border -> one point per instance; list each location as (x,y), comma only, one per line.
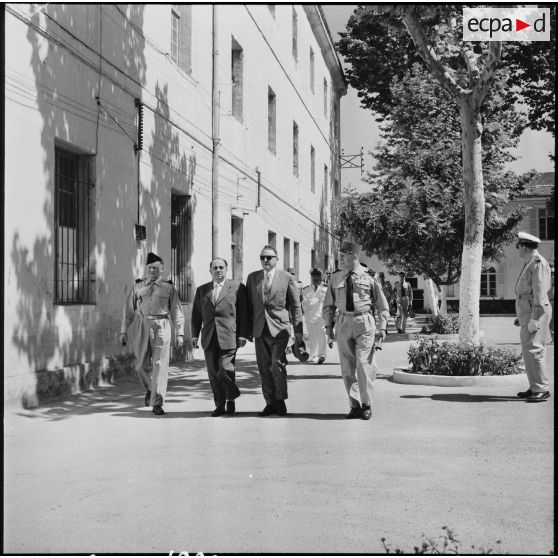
(438,336)
(400,376)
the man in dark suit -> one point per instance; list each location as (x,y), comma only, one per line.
(272,299)
(220,311)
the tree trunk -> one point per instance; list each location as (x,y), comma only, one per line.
(430,296)
(443,300)
(473,187)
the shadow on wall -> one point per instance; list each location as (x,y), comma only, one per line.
(44,334)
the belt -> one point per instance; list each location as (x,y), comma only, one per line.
(161,317)
(355,313)
(526,297)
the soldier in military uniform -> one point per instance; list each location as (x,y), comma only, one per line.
(533,316)
(353,292)
(403,293)
(313,297)
(150,306)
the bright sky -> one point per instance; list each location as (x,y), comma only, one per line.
(358,127)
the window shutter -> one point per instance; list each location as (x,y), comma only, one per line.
(185,38)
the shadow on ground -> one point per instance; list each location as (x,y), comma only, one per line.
(465,398)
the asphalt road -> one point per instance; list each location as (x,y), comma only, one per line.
(98,473)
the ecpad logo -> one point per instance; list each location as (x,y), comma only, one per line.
(528,23)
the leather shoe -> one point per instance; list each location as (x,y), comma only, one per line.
(231,408)
(158,410)
(356,412)
(538,396)
(366,412)
(281,407)
(218,412)
(147,399)
(525,394)
(269,409)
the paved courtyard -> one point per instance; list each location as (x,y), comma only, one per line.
(99,473)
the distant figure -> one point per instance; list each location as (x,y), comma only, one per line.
(404,297)
(273,300)
(220,312)
(312,304)
(533,316)
(387,289)
(150,306)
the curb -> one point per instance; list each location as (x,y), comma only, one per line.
(402,377)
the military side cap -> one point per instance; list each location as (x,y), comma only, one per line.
(152,258)
(524,237)
(316,271)
(350,247)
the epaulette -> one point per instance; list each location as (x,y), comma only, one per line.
(139,280)
(169,282)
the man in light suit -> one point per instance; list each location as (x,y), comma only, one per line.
(272,298)
(533,316)
(220,311)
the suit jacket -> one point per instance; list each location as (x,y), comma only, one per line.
(228,317)
(283,302)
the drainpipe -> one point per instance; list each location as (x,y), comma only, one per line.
(215,137)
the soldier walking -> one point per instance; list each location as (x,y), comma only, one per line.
(150,306)
(353,292)
(313,297)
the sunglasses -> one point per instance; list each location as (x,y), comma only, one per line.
(267,258)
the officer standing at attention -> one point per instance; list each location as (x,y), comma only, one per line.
(353,292)
(147,310)
(533,316)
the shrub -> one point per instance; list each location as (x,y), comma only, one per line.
(442,324)
(451,359)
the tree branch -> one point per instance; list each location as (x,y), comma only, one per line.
(488,73)
(430,57)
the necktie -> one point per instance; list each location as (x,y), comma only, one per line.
(267,284)
(216,292)
(350,303)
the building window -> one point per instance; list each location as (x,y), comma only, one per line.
(181,246)
(295,148)
(296,258)
(326,182)
(311,70)
(181,36)
(271,121)
(326,262)
(312,169)
(325,97)
(286,253)
(272,239)
(271,9)
(336,188)
(236,72)
(488,282)
(546,224)
(74,230)
(313,258)
(295,35)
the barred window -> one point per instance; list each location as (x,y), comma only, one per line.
(237,63)
(271,121)
(181,36)
(74,226)
(181,238)
(488,282)
(546,224)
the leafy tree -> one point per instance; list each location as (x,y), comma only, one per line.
(377,54)
(413,216)
(466,71)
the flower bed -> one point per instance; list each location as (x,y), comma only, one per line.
(448,324)
(450,359)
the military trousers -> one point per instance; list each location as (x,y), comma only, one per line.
(317,340)
(402,313)
(355,337)
(533,346)
(270,356)
(154,372)
(220,369)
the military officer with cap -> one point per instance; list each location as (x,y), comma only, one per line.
(353,292)
(533,315)
(150,306)
(313,297)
